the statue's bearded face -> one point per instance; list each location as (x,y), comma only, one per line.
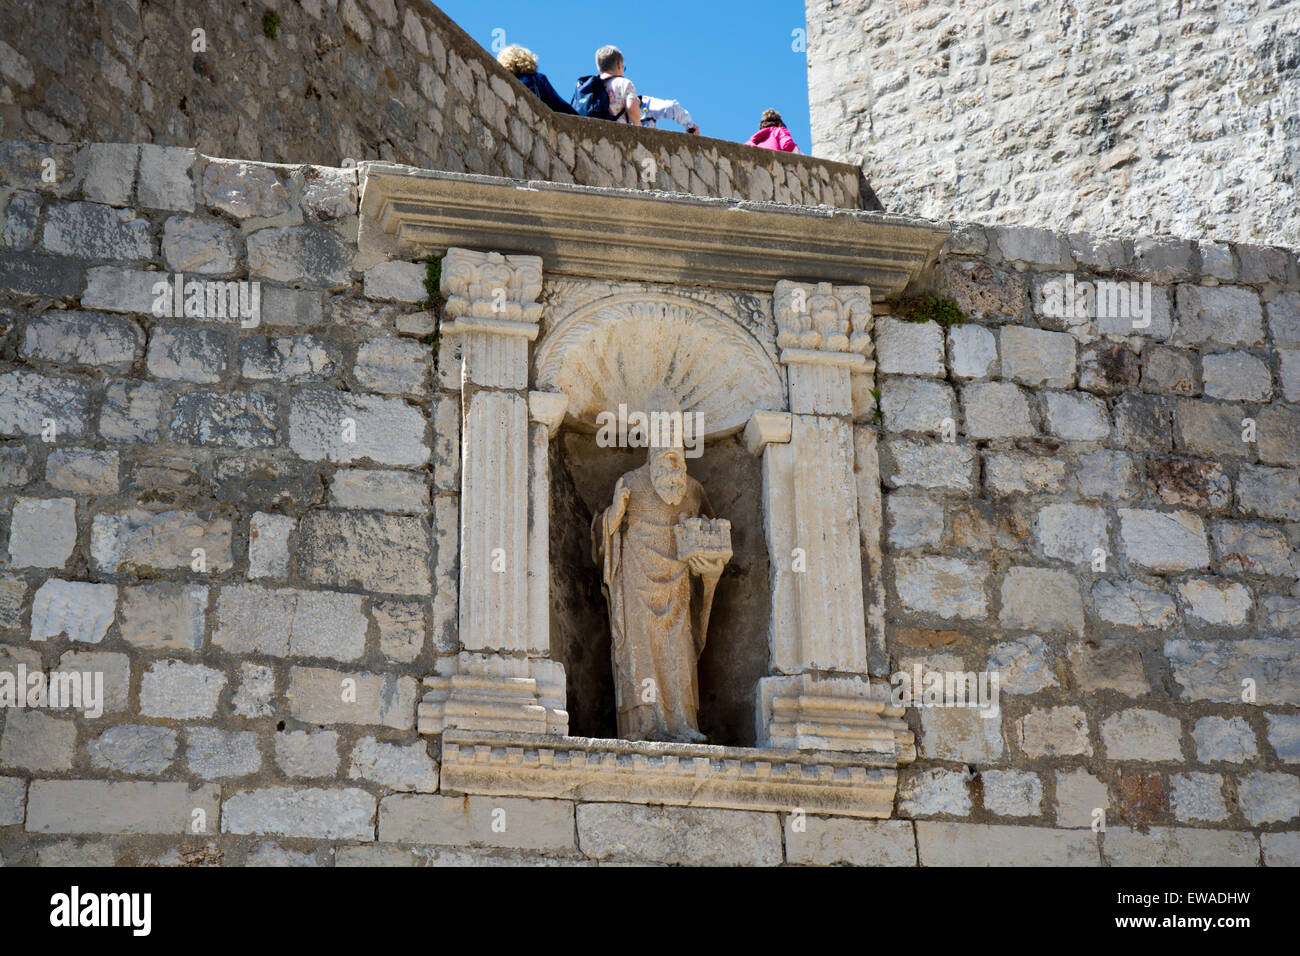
(668,475)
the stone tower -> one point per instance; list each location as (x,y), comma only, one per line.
(1142,117)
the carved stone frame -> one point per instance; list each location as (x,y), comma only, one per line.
(828,741)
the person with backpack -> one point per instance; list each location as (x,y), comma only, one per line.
(772,134)
(523,64)
(609,95)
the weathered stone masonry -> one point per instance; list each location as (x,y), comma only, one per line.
(314,460)
(395,80)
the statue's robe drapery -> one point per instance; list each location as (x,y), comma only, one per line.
(655,636)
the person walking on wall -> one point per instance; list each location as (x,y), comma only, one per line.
(772,134)
(523,64)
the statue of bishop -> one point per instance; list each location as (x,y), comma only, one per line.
(660,564)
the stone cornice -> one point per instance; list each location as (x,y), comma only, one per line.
(662,237)
(698,775)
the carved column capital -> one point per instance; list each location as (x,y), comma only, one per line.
(491,304)
(824,333)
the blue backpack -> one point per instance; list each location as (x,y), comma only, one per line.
(590,98)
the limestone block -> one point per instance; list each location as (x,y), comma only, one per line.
(1279,436)
(190,355)
(397,282)
(377,552)
(132,412)
(91,231)
(164,615)
(393,366)
(963,734)
(1022,665)
(394,766)
(1222,315)
(1105,474)
(1109,665)
(110,172)
(1040,247)
(237,419)
(288,622)
(165,181)
(342,427)
(1269,797)
(1037,357)
(256,688)
(1012,793)
(307,254)
(935,791)
(120,289)
(914,521)
(1076,417)
(268,545)
(35,740)
(141,539)
(1197,797)
(1229,739)
(477,820)
(82,611)
(908,348)
(1224,603)
(1170,371)
(1214,670)
(1072,532)
(1164,541)
(246,190)
(679,835)
(972,352)
(318,695)
(948,587)
(1281,849)
(1141,735)
(215,754)
(343,814)
(1041,599)
(834,841)
(401,629)
(1016,472)
(82,338)
(1078,795)
(930,464)
(1054,732)
(42,532)
(1236,376)
(179,690)
(116,676)
(917,405)
(1179,846)
(1269,492)
(13,800)
(996,410)
(126,807)
(203,246)
(82,470)
(297,359)
(300,754)
(978,844)
(1284,736)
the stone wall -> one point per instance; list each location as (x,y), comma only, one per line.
(380,79)
(252,533)
(1141,118)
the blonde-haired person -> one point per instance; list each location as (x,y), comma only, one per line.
(523,64)
(772,134)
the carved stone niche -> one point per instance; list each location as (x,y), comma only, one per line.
(829,740)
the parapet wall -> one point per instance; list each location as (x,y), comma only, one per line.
(251,531)
(1135,118)
(381,79)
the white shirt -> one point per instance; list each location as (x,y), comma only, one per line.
(654,109)
(622,95)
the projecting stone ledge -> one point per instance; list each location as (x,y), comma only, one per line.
(692,775)
(671,237)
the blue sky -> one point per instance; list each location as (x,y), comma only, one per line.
(725,60)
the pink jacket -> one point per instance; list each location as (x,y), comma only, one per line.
(774,137)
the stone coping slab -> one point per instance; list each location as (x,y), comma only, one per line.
(693,775)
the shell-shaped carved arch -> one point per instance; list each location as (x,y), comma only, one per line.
(620,349)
